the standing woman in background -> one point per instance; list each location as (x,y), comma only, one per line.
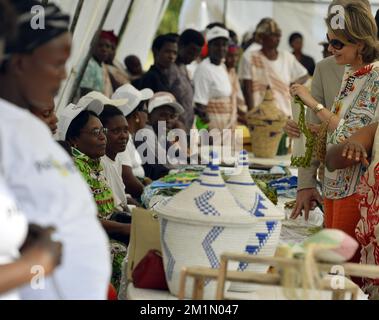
(21,246)
(40,175)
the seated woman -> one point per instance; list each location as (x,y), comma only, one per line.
(160,154)
(81,127)
(361,146)
(114,121)
(135,111)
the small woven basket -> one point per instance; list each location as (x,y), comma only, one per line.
(266,123)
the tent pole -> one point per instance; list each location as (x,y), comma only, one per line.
(76,16)
(126,20)
(225,11)
(80,74)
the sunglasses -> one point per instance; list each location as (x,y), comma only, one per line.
(335,43)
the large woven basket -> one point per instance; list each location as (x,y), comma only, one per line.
(266,123)
(264,236)
(199,224)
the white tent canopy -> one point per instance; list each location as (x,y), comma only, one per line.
(304,16)
(136,39)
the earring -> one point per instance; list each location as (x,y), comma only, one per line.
(360,57)
(137,120)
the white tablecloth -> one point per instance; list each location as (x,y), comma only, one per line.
(261,293)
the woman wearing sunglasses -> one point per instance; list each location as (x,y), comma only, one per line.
(356,47)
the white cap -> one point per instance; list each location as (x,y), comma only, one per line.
(217,32)
(134,96)
(93,101)
(95,95)
(161,99)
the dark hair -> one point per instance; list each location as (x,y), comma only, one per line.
(78,123)
(108,113)
(216,24)
(190,36)
(66,146)
(377,20)
(294,36)
(7,20)
(131,59)
(159,41)
(174,35)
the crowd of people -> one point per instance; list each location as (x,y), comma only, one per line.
(69,181)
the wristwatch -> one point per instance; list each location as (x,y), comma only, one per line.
(318,108)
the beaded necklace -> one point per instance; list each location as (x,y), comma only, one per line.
(304,161)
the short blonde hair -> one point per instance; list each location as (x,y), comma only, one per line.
(359,27)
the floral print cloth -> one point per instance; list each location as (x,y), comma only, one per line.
(356,107)
(93,173)
(367,231)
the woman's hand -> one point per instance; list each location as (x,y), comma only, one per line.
(356,152)
(304,94)
(314,128)
(200,111)
(292,129)
(45,252)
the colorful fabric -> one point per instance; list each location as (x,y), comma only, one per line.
(109,35)
(222,113)
(367,230)
(93,173)
(96,78)
(238,99)
(343,214)
(356,107)
(278,75)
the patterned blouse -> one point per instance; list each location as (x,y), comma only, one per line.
(356,107)
(93,173)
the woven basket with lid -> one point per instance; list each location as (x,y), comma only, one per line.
(264,236)
(199,224)
(266,123)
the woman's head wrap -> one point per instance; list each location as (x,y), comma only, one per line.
(36,25)
(109,35)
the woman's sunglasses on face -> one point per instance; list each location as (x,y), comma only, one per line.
(335,43)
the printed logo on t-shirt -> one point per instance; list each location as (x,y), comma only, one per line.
(63,168)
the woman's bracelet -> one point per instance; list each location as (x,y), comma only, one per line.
(328,121)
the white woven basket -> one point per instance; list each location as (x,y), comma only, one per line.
(264,236)
(199,224)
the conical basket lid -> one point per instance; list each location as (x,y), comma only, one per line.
(267,110)
(207,201)
(248,194)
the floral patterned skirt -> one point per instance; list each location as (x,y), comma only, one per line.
(367,230)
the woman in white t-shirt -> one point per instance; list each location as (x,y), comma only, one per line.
(213,89)
(135,112)
(15,270)
(117,138)
(270,67)
(39,174)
